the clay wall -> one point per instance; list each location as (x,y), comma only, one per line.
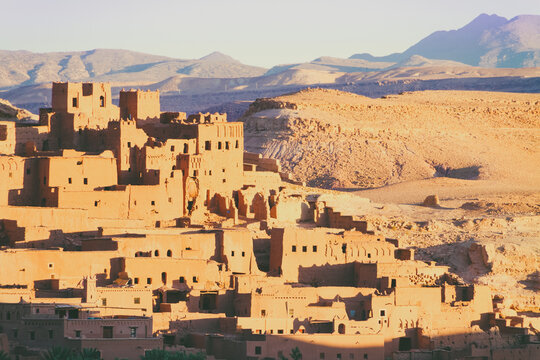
(311,255)
(126,140)
(319,346)
(111,301)
(151,202)
(117,348)
(30,267)
(14,295)
(237,251)
(185,244)
(78,106)
(383,275)
(291,208)
(76,171)
(92,99)
(4,343)
(139,105)
(154,273)
(31,138)
(7,138)
(164,156)
(37,223)
(19,183)
(337,220)
(261,164)
(262,179)
(224,157)
(286,301)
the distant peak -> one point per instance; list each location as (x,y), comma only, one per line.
(216,56)
(486,21)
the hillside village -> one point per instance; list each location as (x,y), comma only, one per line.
(126,229)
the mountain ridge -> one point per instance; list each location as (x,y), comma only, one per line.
(487,41)
(22,67)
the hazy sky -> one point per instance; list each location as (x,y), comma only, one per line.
(256,32)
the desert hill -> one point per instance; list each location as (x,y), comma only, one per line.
(116,66)
(487,41)
(335,139)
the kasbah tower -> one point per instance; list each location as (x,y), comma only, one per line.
(128,230)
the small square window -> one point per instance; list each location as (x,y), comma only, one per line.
(96,203)
(104,301)
(369,255)
(172,147)
(304,248)
(27,171)
(85,181)
(322,355)
(294,248)
(136,280)
(133,332)
(263,312)
(219,145)
(243,253)
(314,248)
(195,172)
(69,180)
(195,279)
(129,144)
(77,333)
(137,300)
(227,145)
(338,356)
(181,280)
(280,331)
(258,350)
(152,202)
(149,281)
(383,312)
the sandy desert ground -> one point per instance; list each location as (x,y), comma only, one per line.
(479,152)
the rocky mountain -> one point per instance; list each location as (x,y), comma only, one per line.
(487,41)
(19,68)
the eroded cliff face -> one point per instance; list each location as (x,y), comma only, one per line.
(334,139)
